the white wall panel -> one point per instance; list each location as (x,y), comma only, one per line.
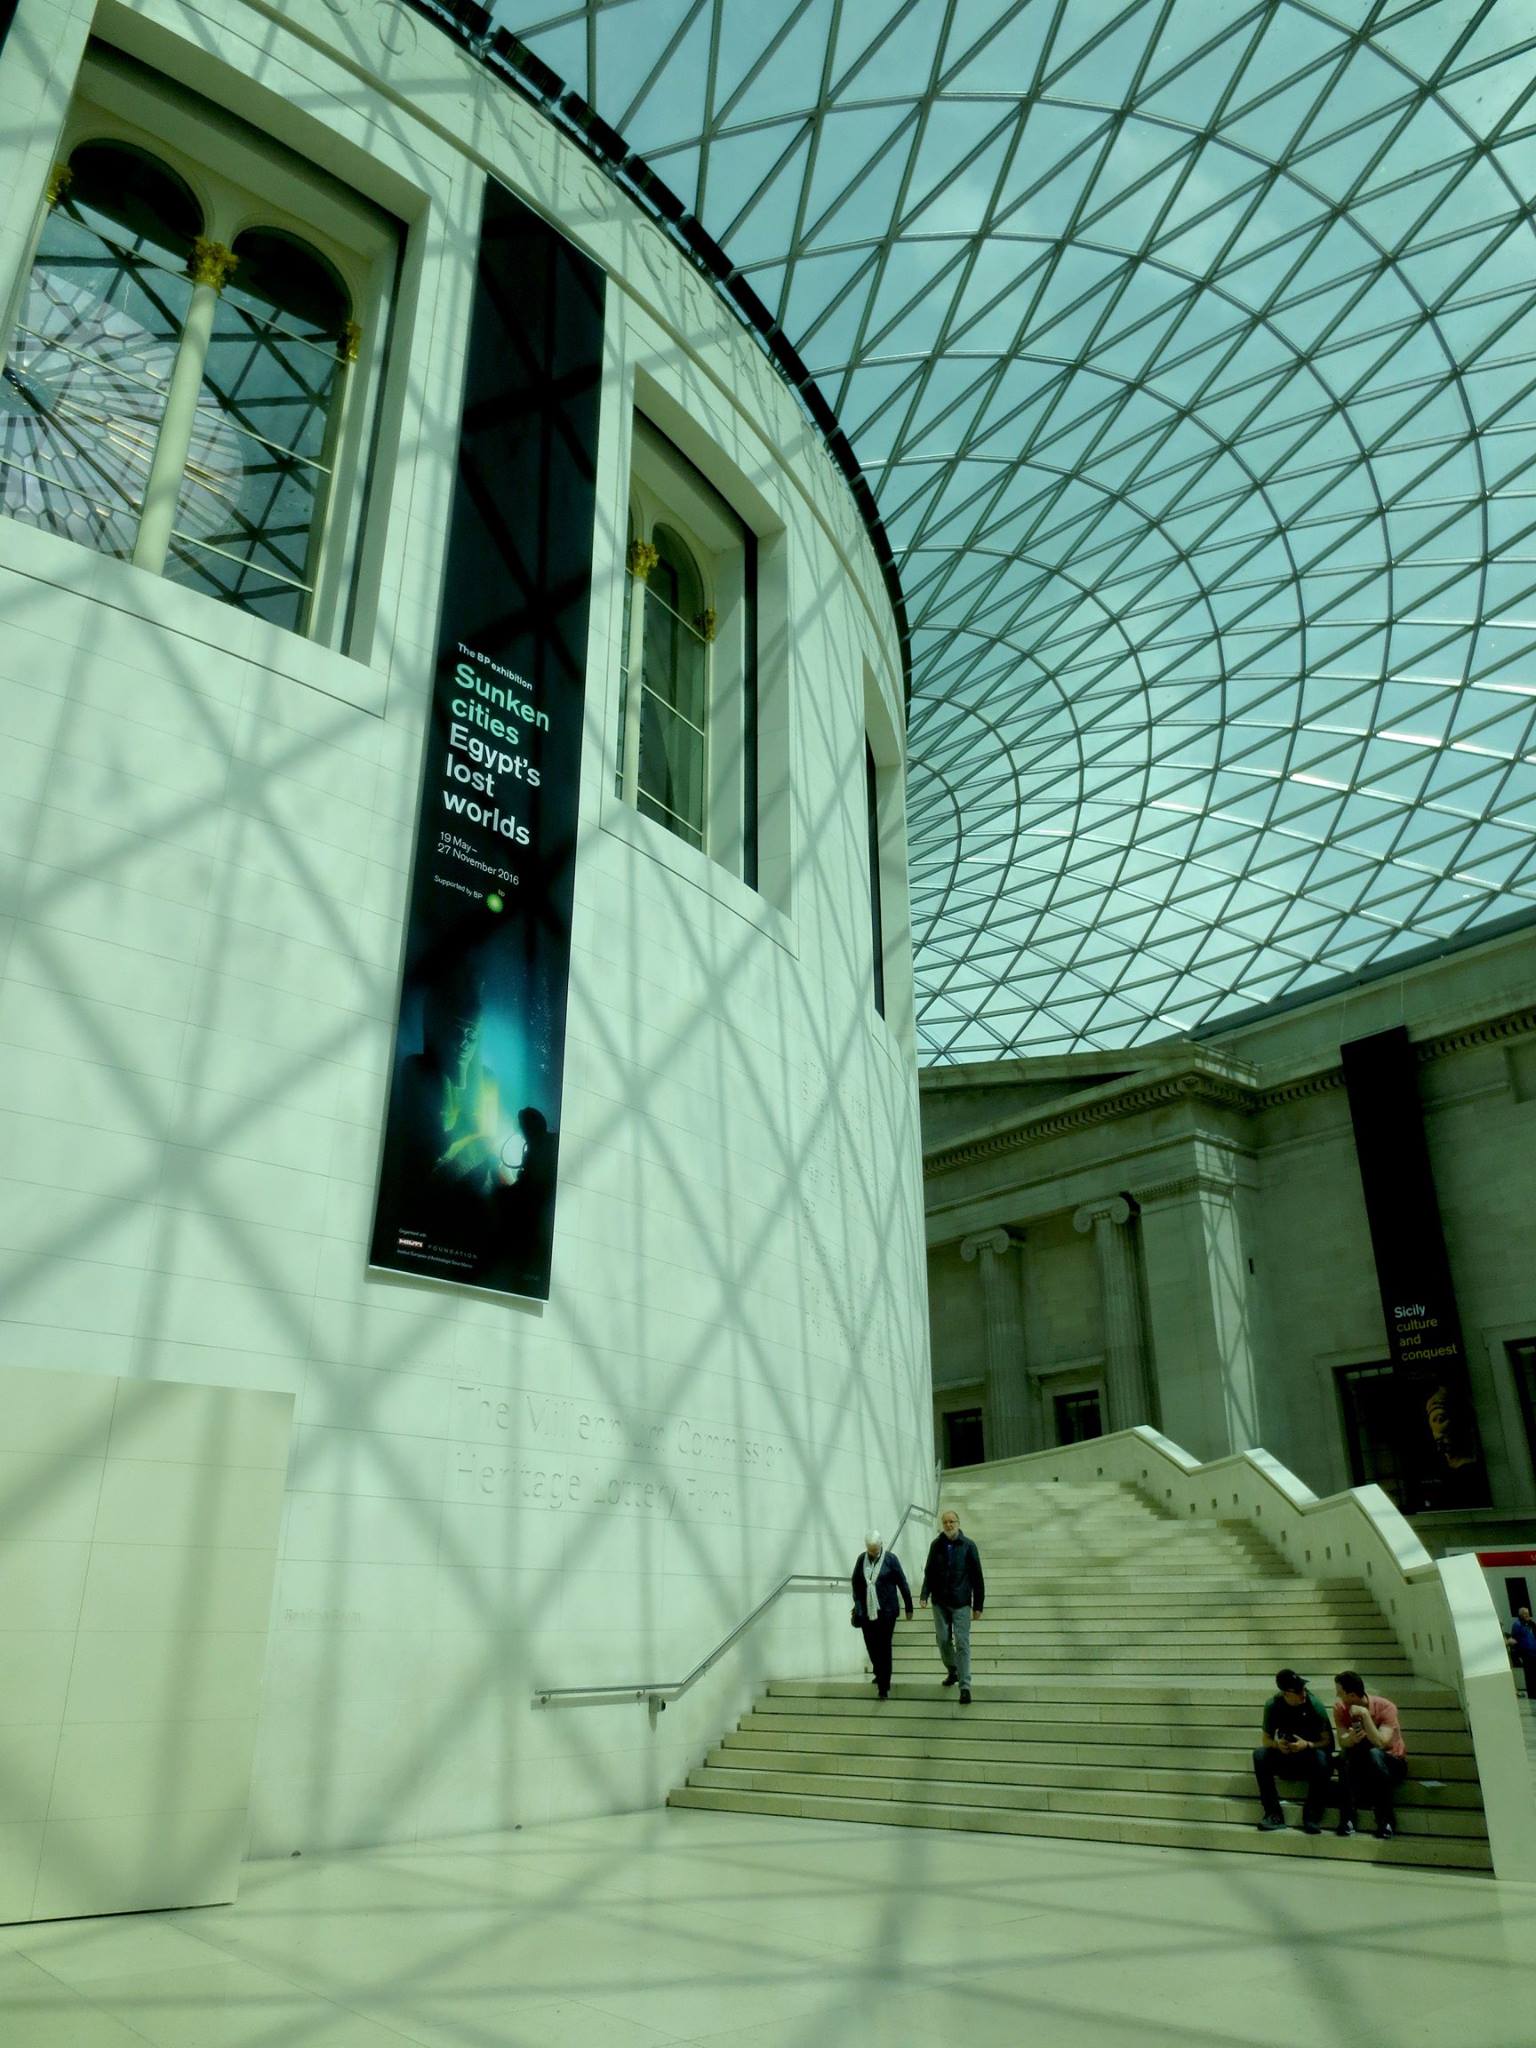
(141,1529)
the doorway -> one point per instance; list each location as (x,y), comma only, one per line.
(1522,1363)
(1368,1402)
(1079,1416)
(963,1440)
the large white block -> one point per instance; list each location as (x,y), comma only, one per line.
(135,1863)
(134,1598)
(207,1674)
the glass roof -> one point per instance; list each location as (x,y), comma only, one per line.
(1190,348)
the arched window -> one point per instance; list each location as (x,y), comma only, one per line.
(95,343)
(664,736)
(687,754)
(275,369)
(674,710)
(185,383)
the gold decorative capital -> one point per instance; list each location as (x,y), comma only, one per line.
(706,625)
(59,182)
(211,263)
(351,341)
(642,559)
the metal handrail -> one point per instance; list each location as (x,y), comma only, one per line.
(657,1696)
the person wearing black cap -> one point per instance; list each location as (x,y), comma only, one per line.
(1298,1743)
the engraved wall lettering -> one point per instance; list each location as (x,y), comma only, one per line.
(396,30)
(582,1488)
(488,1416)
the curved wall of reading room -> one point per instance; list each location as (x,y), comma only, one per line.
(458,975)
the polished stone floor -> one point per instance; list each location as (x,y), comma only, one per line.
(751,1932)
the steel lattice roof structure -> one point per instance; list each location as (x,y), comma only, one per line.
(1190,349)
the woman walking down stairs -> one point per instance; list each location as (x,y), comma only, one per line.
(1121,1667)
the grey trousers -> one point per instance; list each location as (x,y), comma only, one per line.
(952,1627)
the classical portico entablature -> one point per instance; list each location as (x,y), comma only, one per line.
(1219,1086)
(1214,1083)
(1146,1173)
(1226,1171)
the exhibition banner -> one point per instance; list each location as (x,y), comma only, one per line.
(471,1141)
(1438,1444)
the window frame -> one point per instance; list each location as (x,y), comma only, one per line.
(872,821)
(243,181)
(666,490)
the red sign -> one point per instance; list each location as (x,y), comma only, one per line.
(1526,1557)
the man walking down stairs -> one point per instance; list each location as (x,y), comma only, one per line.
(952,1580)
(1119,1677)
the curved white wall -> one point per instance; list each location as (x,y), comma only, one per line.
(209,826)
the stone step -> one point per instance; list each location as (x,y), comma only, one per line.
(1139,1749)
(1084,1567)
(1160,1539)
(1192,1653)
(1012,1628)
(1407,1851)
(1118,1595)
(1305,1652)
(872,1757)
(1319,1660)
(1128,1589)
(1079,1798)
(1146,1747)
(999,1534)
(1122,1595)
(1065,1614)
(1014,1723)
(1205,1699)
(1215,1610)
(994,1524)
(1068,1601)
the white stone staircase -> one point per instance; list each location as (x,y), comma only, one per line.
(1119,1674)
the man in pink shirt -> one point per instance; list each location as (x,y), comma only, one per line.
(1373,1758)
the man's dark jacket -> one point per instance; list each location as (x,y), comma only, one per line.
(891,1588)
(952,1575)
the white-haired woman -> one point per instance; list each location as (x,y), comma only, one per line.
(880,1591)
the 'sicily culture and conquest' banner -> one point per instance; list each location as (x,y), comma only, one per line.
(471,1143)
(1439,1452)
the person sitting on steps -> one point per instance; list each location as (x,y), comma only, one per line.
(1373,1758)
(1298,1743)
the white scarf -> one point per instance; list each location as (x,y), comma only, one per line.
(871,1573)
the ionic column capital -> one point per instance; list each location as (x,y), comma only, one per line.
(994,1241)
(211,263)
(1107,1209)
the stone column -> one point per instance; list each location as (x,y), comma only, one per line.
(1009,1396)
(1202,1337)
(210,267)
(1129,1387)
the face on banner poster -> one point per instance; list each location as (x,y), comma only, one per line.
(468,1172)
